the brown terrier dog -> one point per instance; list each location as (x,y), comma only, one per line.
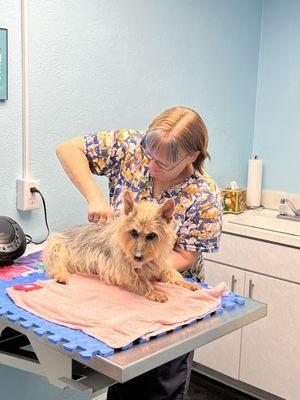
(132,251)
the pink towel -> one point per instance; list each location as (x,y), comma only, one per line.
(112,314)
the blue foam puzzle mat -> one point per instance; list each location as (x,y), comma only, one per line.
(74,340)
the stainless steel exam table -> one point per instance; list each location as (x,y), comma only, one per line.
(64,369)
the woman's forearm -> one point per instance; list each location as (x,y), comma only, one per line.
(76,166)
(179,262)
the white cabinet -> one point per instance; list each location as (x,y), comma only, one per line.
(223,354)
(266,353)
(258,257)
(270,352)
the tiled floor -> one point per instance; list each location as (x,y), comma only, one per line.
(204,388)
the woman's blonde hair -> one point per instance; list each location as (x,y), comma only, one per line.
(178,128)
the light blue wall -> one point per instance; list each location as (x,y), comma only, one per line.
(111,64)
(277,122)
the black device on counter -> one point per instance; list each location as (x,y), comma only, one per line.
(12,241)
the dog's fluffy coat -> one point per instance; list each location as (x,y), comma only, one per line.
(132,251)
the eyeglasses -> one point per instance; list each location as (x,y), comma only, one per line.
(159,163)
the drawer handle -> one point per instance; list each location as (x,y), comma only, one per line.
(251,286)
(233,282)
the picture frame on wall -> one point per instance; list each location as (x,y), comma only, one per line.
(3,64)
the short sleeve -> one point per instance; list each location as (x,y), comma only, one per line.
(106,149)
(201,229)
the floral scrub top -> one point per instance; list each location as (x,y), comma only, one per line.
(197,217)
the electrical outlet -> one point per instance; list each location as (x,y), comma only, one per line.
(25,199)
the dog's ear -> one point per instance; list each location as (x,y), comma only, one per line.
(128,202)
(167,209)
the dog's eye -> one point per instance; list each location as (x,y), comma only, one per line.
(134,233)
(151,236)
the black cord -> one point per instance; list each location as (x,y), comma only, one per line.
(35,190)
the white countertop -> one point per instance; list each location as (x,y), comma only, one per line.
(263,224)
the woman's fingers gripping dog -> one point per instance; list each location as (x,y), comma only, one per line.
(99,212)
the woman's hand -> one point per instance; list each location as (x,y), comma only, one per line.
(99,212)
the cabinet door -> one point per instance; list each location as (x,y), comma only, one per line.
(270,355)
(223,354)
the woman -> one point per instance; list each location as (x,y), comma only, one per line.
(164,162)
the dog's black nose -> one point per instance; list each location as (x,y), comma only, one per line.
(138,258)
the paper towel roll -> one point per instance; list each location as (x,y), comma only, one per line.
(254,182)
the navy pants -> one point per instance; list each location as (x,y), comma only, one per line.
(169,381)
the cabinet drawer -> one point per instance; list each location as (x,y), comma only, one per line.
(254,255)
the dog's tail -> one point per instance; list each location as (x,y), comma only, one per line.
(55,254)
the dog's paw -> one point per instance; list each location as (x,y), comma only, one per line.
(192,286)
(196,287)
(157,296)
(63,279)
